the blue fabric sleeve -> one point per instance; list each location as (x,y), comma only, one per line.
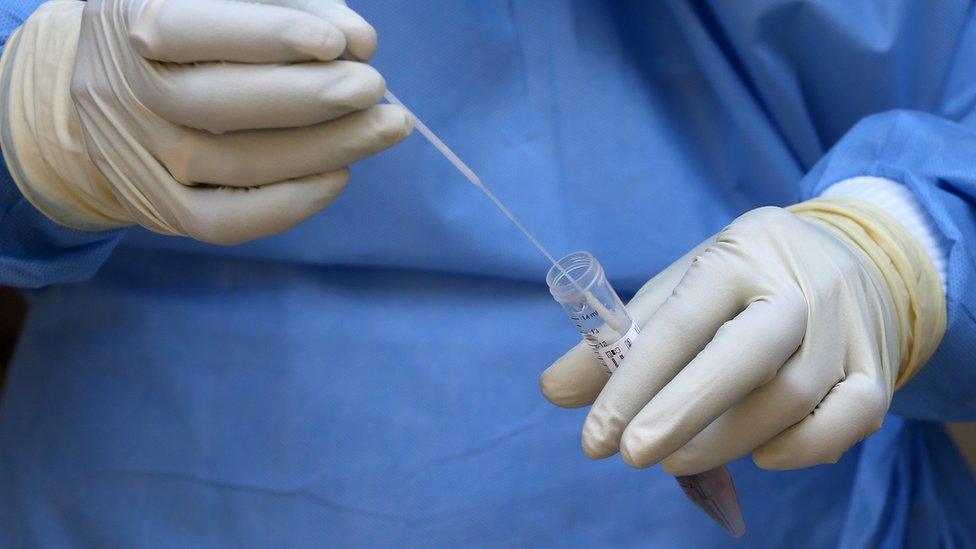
(34,251)
(936,159)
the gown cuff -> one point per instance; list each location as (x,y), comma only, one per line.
(37,252)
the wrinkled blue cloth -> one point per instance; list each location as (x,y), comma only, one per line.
(370,377)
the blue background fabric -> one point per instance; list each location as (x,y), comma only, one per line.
(370,377)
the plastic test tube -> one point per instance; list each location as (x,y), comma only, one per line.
(600,317)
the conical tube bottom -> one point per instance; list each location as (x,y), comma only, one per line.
(714,493)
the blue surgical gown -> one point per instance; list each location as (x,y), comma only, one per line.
(370,377)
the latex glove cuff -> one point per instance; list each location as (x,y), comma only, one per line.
(40,130)
(910,276)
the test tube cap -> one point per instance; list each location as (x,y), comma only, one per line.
(714,493)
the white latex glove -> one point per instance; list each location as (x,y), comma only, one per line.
(217,119)
(784,336)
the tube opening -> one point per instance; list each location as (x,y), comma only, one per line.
(581,267)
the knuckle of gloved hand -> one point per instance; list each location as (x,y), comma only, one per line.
(143,36)
(875,403)
(601,432)
(184,161)
(701,272)
(637,444)
(761,221)
(305,36)
(393,124)
(361,37)
(361,87)
(798,396)
(729,249)
(767,215)
(641,443)
(209,226)
(365,40)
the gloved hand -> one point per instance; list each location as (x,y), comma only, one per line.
(217,119)
(785,336)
